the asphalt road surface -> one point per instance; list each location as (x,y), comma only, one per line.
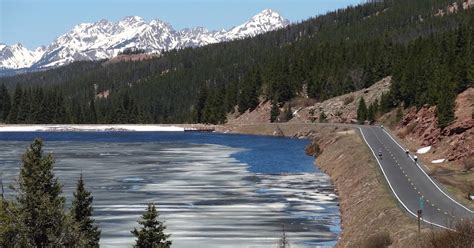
(413,188)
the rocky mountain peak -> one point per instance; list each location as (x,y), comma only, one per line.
(103,39)
(131,21)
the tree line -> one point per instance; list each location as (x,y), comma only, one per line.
(36,216)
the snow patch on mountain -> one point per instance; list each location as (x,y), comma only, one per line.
(104,40)
(17,56)
(265,21)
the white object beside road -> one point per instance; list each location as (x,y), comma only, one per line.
(423,150)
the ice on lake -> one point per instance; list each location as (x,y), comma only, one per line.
(206,196)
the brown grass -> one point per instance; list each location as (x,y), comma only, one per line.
(411,127)
(348,100)
(469,164)
(379,240)
(406,130)
(462,237)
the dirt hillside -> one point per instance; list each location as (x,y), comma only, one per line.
(341,109)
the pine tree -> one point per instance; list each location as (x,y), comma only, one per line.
(322,117)
(248,99)
(93,112)
(385,103)
(361,111)
(9,228)
(201,103)
(81,212)
(24,108)
(445,109)
(37,217)
(16,101)
(151,235)
(39,197)
(275,111)
(288,112)
(470,76)
(371,112)
(399,113)
(5,103)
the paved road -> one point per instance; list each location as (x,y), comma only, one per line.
(409,182)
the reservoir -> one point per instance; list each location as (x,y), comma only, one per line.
(211,190)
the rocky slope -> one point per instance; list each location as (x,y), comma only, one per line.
(455,143)
(103,39)
(341,109)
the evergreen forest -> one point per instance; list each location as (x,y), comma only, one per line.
(429,56)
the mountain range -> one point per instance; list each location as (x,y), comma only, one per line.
(103,40)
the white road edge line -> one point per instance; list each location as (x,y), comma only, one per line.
(429,176)
(389,184)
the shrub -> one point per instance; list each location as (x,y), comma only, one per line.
(322,117)
(313,149)
(348,99)
(411,127)
(463,236)
(399,114)
(469,163)
(378,240)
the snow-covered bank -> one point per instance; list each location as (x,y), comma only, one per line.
(89,128)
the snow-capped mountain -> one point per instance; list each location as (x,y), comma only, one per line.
(265,21)
(16,56)
(103,39)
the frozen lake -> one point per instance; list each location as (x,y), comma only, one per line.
(212,190)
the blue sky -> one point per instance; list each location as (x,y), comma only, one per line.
(39,22)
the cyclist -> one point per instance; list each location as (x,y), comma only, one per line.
(415,158)
(380,153)
(407,152)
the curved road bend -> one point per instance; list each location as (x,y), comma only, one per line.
(409,182)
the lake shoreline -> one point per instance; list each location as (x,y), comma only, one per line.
(367,206)
(246,185)
(342,151)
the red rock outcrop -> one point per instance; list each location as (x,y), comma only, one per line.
(422,124)
(455,142)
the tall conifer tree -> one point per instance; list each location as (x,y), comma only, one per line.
(151,234)
(40,202)
(81,212)
(361,111)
